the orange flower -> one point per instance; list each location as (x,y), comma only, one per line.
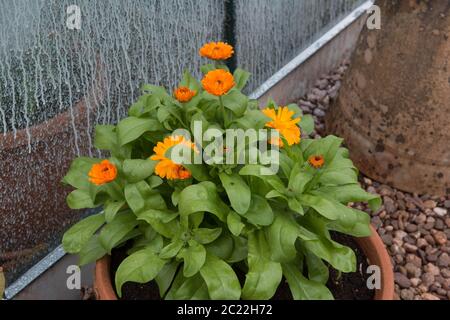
(166,168)
(102,173)
(218,82)
(184,94)
(217,51)
(317,161)
(282,121)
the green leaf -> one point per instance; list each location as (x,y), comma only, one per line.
(205,236)
(307,124)
(240,78)
(295,206)
(207,68)
(328,147)
(193,288)
(131,128)
(92,251)
(80,199)
(136,170)
(260,212)
(237,190)
(105,137)
(162,221)
(190,82)
(113,232)
(234,223)
(220,279)
(165,277)
(302,288)
(79,234)
(265,174)
(349,193)
(141,267)
(236,102)
(264,276)
(252,119)
(317,270)
(111,208)
(172,249)
(77,176)
(141,197)
(202,197)
(281,236)
(325,207)
(299,178)
(194,258)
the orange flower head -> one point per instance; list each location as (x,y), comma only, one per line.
(217,51)
(102,173)
(317,161)
(218,82)
(282,122)
(166,168)
(276,142)
(184,94)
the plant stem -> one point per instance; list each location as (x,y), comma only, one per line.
(224,113)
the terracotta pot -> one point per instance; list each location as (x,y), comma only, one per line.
(394,104)
(33,207)
(372,247)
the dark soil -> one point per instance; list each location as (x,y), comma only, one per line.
(350,286)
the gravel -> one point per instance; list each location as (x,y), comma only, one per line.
(415,228)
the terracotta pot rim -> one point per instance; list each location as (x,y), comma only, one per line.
(372,247)
(56,125)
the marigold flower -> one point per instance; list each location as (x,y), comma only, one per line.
(166,168)
(184,94)
(317,161)
(217,51)
(102,173)
(282,122)
(218,82)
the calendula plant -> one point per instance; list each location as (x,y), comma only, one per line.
(194,227)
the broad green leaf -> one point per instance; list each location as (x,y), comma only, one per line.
(136,170)
(80,199)
(140,197)
(172,249)
(220,279)
(193,288)
(194,258)
(328,147)
(260,213)
(265,174)
(113,232)
(317,270)
(79,234)
(205,236)
(234,223)
(77,176)
(131,128)
(240,78)
(237,190)
(299,178)
(349,193)
(111,208)
(236,102)
(352,222)
(264,276)
(302,288)
(307,124)
(328,209)
(92,251)
(202,197)
(281,236)
(141,267)
(190,82)
(252,119)
(163,222)
(295,206)
(105,137)
(165,277)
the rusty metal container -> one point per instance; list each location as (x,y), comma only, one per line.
(394,106)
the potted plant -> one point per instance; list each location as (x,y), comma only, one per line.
(228,226)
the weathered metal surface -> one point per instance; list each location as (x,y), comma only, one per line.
(394,106)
